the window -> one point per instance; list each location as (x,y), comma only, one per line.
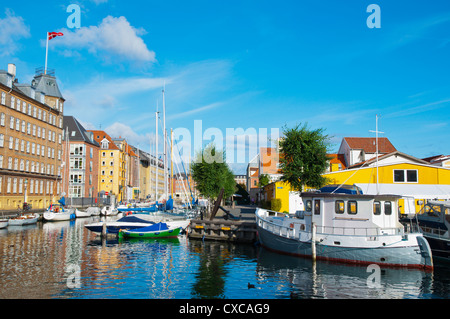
(11,122)
(376,208)
(352,207)
(77,149)
(317,207)
(308,205)
(3,98)
(11,142)
(339,207)
(2,140)
(405,176)
(2,119)
(387,208)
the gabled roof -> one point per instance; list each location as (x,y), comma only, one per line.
(368,144)
(384,156)
(99,136)
(77,132)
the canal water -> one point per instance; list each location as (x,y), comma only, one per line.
(63,260)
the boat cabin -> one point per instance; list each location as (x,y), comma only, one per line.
(334,213)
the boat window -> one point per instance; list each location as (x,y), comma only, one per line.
(352,207)
(376,208)
(339,207)
(317,207)
(308,205)
(387,208)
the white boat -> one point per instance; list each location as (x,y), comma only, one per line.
(95,211)
(109,211)
(26,219)
(59,213)
(349,228)
(82,214)
(4,223)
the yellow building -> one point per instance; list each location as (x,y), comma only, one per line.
(111,165)
(31,121)
(400,174)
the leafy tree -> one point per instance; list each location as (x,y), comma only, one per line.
(263,180)
(211,173)
(304,157)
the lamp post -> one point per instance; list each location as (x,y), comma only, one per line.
(25,194)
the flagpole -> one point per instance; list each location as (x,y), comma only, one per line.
(46,56)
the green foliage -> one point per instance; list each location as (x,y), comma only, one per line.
(263,180)
(304,157)
(211,173)
(275,204)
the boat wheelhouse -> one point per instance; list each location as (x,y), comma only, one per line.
(351,228)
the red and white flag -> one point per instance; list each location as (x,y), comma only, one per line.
(52,35)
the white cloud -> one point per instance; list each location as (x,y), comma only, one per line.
(143,141)
(113,38)
(12,29)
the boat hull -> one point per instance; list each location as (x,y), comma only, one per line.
(114,228)
(24,221)
(54,217)
(439,246)
(405,256)
(169,233)
(4,223)
(81,214)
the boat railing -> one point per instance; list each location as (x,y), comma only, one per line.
(291,231)
(435,232)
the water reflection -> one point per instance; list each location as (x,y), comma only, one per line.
(301,279)
(36,260)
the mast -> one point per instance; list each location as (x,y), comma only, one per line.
(157,159)
(171,160)
(376,142)
(164,144)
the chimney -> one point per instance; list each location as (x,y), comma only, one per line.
(12,70)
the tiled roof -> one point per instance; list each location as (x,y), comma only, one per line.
(100,135)
(368,144)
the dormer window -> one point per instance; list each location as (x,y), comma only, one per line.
(105,144)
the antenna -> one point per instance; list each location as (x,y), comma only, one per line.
(376,141)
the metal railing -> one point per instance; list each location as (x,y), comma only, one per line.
(291,232)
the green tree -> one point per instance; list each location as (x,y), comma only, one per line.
(303,157)
(263,180)
(211,173)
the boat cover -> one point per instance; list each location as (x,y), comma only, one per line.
(151,228)
(134,219)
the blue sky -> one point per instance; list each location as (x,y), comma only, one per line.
(244,64)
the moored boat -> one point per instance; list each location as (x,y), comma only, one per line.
(25,219)
(109,211)
(350,228)
(58,213)
(434,224)
(159,230)
(82,214)
(4,223)
(126,222)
